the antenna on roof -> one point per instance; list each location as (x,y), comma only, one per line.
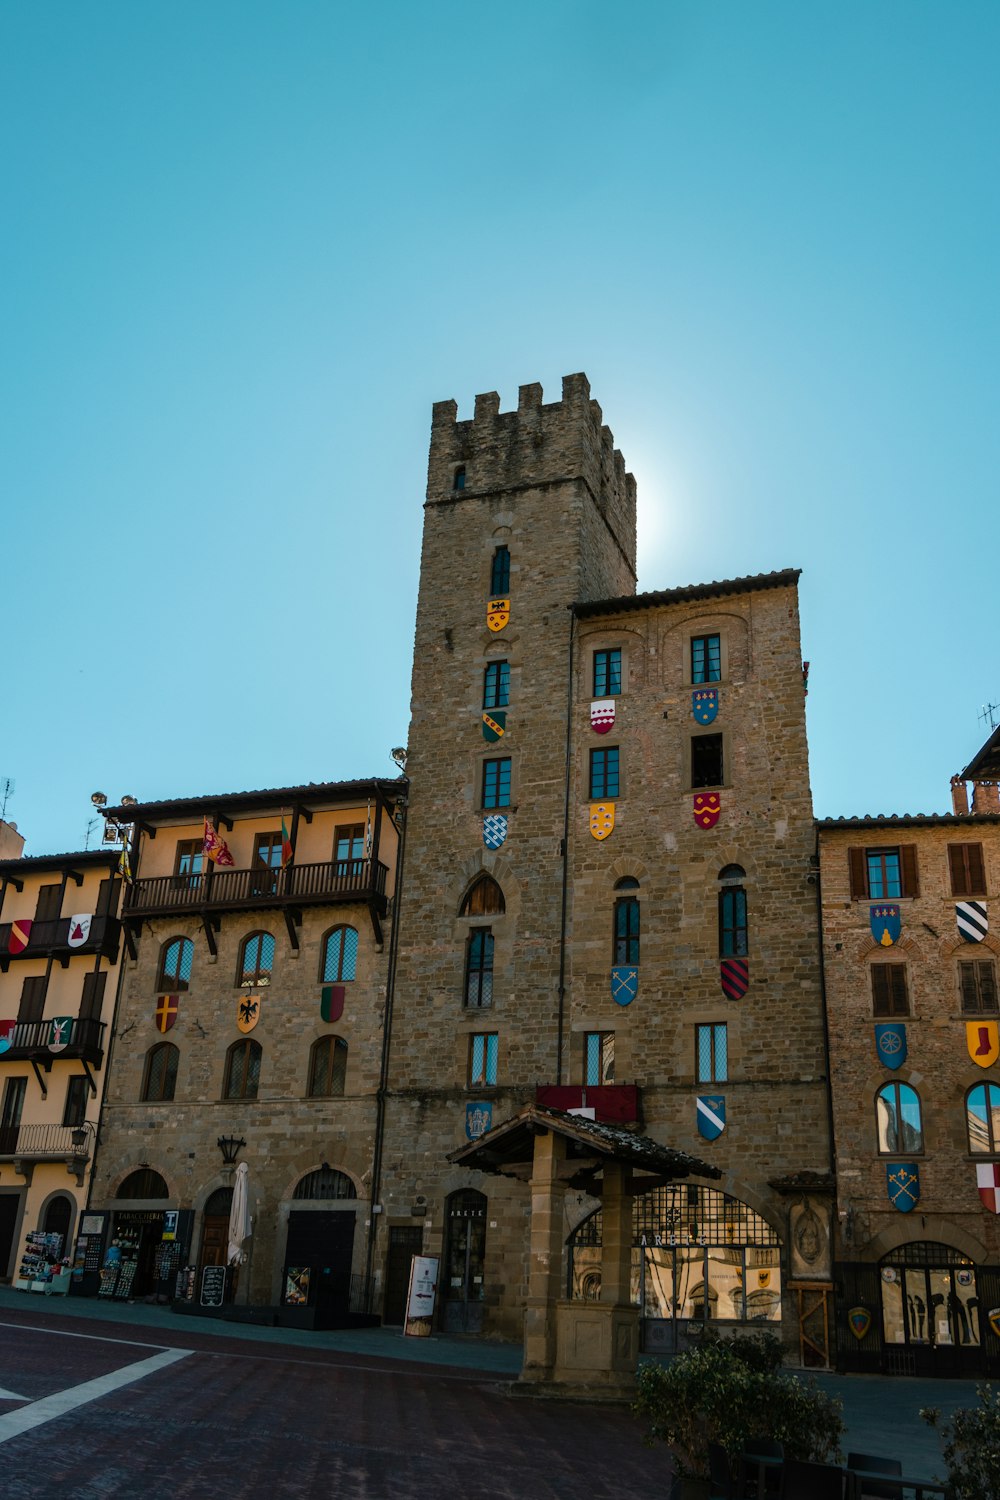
(7,785)
(988,710)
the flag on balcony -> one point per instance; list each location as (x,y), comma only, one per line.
(216,848)
(6,1035)
(286,844)
(125,866)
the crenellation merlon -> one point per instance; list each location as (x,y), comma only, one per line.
(564,440)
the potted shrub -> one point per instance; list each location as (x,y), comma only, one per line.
(971,1445)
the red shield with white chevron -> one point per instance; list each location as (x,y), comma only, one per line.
(988,1182)
(602,715)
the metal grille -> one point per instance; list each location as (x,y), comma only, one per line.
(341,954)
(692,1214)
(925,1253)
(327,1183)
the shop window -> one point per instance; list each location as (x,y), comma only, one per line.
(625,948)
(733,936)
(242,1070)
(598,1058)
(483,898)
(897,1119)
(890,996)
(496,684)
(982,1119)
(978,986)
(711,1047)
(144,1183)
(256,960)
(500,572)
(328,1068)
(340,955)
(479,967)
(604,774)
(706,658)
(706,760)
(967,869)
(77,1098)
(325,1185)
(483,1052)
(176,958)
(496,783)
(883,874)
(160,1079)
(607,673)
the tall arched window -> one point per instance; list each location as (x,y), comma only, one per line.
(340,955)
(982,1118)
(897,1119)
(325,1185)
(458,483)
(242,1070)
(160,1078)
(479,967)
(256,960)
(58,1214)
(176,957)
(732,913)
(626,933)
(328,1068)
(143,1183)
(483,898)
(500,572)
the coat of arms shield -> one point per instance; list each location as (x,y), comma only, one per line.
(478,1118)
(79,929)
(988,1183)
(60,1030)
(885,923)
(859,1320)
(494,724)
(902,1180)
(706,808)
(890,1044)
(166,1011)
(983,1041)
(20,933)
(705,704)
(497,614)
(248,1012)
(973,923)
(735,976)
(602,819)
(624,984)
(331,1004)
(602,715)
(993,1318)
(711,1111)
(6,1035)
(494,830)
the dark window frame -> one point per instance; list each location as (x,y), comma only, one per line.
(890,990)
(607,672)
(605,773)
(708,757)
(246,1056)
(734,931)
(706,659)
(480,950)
(497,782)
(496,684)
(328,1068)
(500,573)
(162,1062)
(625,937)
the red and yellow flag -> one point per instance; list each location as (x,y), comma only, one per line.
(216,848)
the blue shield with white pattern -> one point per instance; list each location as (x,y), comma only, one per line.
(711,1110)
(705,704)
(494,830)
(890,1044)
(886,923)
(903,1182)
(624,984)
(478,1119)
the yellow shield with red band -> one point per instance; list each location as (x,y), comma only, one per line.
(497,614)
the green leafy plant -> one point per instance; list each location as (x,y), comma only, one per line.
(714,1394)
(970,1441)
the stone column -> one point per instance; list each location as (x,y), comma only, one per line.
(545,1257)
(616,1256)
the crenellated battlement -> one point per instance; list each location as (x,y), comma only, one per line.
(535,445)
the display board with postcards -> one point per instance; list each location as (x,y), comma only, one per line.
(41,1264)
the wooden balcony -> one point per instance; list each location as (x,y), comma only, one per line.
(51,940)
(259,888)
(30,1041)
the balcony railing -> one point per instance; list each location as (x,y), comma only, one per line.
(51,938)
(338,880)
(33,1039)
(45,1142)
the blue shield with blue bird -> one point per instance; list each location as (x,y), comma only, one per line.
(886,923)
(624,984)
(902,1179)
(705,704)
(711,1110)
(890,1044)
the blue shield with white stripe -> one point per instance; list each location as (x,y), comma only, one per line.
(624,984)
(494,830)
(711,1110)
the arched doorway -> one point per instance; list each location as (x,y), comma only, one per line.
(699,1256)
(319,1251)
(58,1216)
(464,1259)
(215,1230)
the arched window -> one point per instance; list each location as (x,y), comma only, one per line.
(160,1079)
(340,955)
(897,1119)
(242,1070)
(626,934)
(324,1185)
(328,1068)
(732,913)
(500,572)
(483,898)
(982,1118)
(458,483)
(627,883)
(256,960)
(176,957)
(479,967)
(58,1213)
(143,1183)
(220,1202)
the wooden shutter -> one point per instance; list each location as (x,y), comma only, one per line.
(979,986)
(968,872)
(32,999)
(107,897)
(93,996)
(909,879)
(49,902)
(859,874)
(889,992)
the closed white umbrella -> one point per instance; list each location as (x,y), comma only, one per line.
(240,1225)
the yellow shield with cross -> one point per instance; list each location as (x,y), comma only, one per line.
(602,819)
(497,614)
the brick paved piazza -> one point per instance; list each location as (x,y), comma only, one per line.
(92,1411)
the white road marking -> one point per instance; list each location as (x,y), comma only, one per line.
(57,1405)
(10,1396)
(97,1338)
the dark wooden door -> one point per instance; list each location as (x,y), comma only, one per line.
(404,1243)
(10,1203)
(323,1241)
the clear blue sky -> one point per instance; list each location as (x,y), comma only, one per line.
(246,245)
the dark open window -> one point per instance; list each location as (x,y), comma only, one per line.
(733,939)
(479,967)
(458,482)
(144,1183)
(706,760)
(500,572)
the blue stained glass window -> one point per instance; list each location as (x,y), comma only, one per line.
(604,773)
(599,1058)
(607,673)
(496,783)
(483,1052)
(340,954)
(706,658)
(175,964)
(496,685)
(712,1047)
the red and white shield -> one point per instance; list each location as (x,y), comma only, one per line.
(988,1182)
(79,929)
(602,715)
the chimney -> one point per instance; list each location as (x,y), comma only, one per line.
(959,797)
(985,797)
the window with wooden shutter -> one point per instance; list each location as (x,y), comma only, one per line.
(883,874)
(908,866)
(859,878)
(32,999)
(108,896)
(49,902)
(978,986)
(93,996)
(968,872)
(889,992)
